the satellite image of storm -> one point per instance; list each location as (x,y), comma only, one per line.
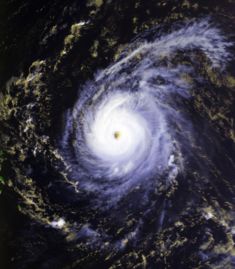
(117,134)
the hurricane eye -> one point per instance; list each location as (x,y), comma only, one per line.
(117,135)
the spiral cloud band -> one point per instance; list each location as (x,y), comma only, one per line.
(128,128)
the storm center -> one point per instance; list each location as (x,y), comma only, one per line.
(117,135)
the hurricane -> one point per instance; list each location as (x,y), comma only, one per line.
(128,127)
(136,170)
